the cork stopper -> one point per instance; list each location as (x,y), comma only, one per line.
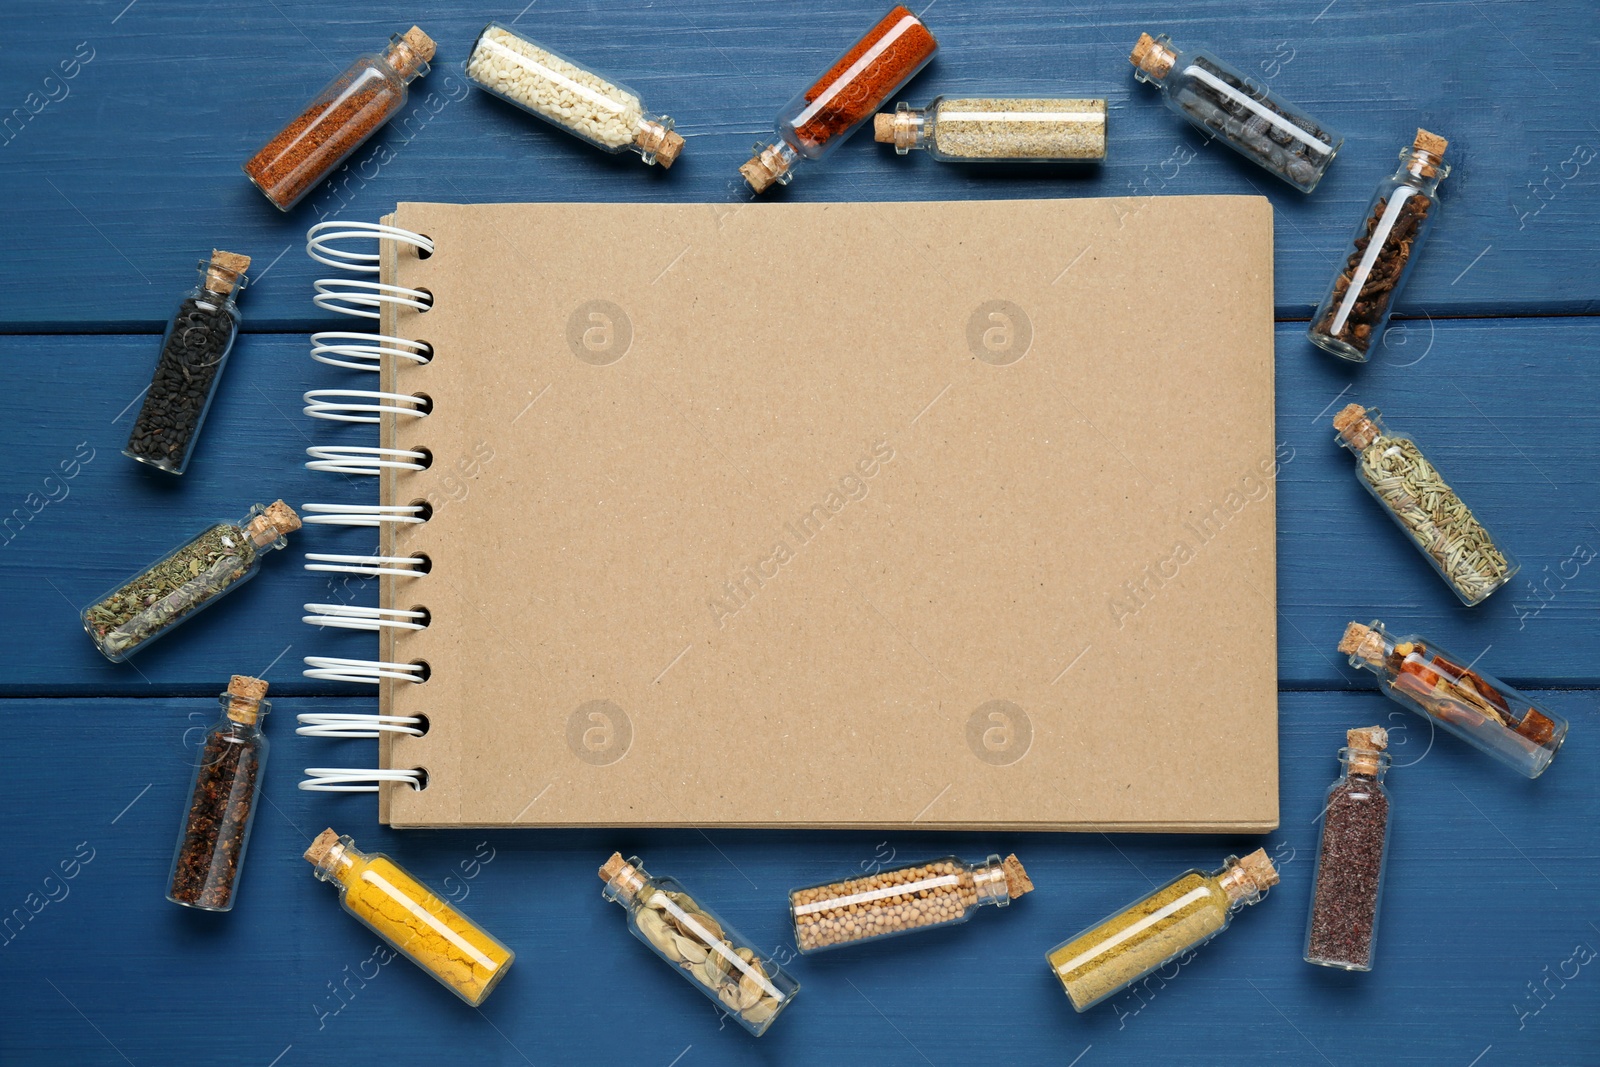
(320,853)
(1364,748)
(624,876)
(226,271)
(420,43)
(1017,880)
(1362,642)
(764,168)
(1152,57)
(1430,143)
(1355,427)
(658,138)
(883,127)
(1258,869)
(245,695)
(1428,158)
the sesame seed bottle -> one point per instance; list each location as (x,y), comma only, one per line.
(1383,250)
(699,945)
(1416,496)
(586,104)
(1443,688)
(997,129)
(1155,930)
(1347,881)
(1221,102)
(922,896)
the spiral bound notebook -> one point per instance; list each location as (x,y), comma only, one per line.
(931,515)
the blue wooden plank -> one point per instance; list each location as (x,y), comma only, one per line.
(127,171)
(1486,924)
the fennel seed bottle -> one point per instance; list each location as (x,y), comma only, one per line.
(997,129)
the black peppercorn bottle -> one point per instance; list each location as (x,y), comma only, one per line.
(222,801)
(1355,842)
(193,351)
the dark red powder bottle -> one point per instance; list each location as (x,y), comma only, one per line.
(1355,842)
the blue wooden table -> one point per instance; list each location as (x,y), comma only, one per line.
(122,127)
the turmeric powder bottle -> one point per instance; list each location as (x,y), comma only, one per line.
(409,916)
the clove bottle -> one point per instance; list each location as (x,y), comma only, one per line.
(339,119)
(222,801)
(942,892)
(1379,258)
(586,104)
(1416,496)
(997,129)
(702,947)
(1477,707)
(193,350)
(191,577)
(817,121)
(1219,101)
(1182,915)
(1348,879)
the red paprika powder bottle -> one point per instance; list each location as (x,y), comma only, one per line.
(815,122)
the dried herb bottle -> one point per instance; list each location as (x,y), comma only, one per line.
(193,350)
(586,104)
(191,577)
(990,129)
(1380,255)
(1182,915)
(339,119)
(1414,493)
(418,923)
(1355,842)
(222,801)
(942,892)
(1477,707)
(708,952)
(817,121)
(1219,101)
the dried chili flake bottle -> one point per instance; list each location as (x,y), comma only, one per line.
(1476,706)
(1379,258)
(861,81)
(339,119)
(1348,880)
(988,129)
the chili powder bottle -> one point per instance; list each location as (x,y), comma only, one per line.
(339,119)
(814,123)
(1348,879)
(222,801)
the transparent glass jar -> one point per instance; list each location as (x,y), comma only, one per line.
(1155,930)
(991,129)
(339,119)
(1379,258)
(1476,706)
(222,801)
(586,104)
(1246,115)
(186,580)
(1347,882)
(699,945)
(1421,502)
(921,896)
(817,121)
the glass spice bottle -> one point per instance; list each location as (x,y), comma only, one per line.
(708,952)
(586,104)
(339,119)
(817,121)
(1219,101)
(942,892)
(1395,471)
(997,129)
(1476,706)
(1378,259)
(417,922)
(193,350)
(191,577)
(222,801)
(1180,916)
(1348,879)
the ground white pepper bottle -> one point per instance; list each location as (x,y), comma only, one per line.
(709,953)
(1414,493)
(186,580)
(581,101)
(1222,102)
(1348,879)
(1155,930)
(942,892)
(992,129)
(1474,705)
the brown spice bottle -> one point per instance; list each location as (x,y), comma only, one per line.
(1355,843)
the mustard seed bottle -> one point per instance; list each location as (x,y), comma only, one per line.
(703,948)
(1348,879)
(1182,915)
(942,892)
(1422,504)
(992,129)
(1474,705)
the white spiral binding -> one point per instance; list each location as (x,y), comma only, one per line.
(365,351)
(365,566)
(320,246)
(339,724)
(357,779)
(353,459)
(363,514)
(351,296)
(363,671)
(345,405)
(361,617)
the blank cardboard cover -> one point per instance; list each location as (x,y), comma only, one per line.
(934,515)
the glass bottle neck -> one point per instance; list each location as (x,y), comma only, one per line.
(1363,763)
(990,881)
(1421,169)
(404,60)
(626,882)
(341,859)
